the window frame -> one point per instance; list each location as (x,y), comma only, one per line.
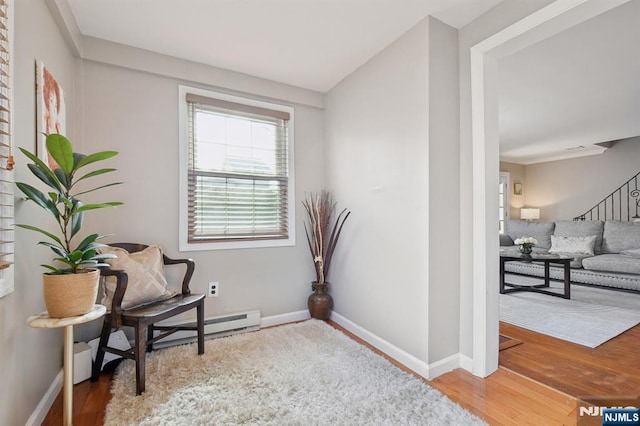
(505,178)
(183,156)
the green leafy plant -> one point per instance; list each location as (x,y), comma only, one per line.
(322,232)
(65,206)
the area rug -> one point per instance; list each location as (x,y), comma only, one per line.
(299,374)
(591,317)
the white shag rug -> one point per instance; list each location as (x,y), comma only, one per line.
(590,318)
(298,374)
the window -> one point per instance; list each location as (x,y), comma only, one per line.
(236,172)
(6,158)
(503,199)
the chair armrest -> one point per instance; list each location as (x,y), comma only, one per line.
(190,264)
(122,279)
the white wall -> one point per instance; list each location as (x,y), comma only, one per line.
(377,136)
(444,202)
(136,113)
(30,358)
(567,188)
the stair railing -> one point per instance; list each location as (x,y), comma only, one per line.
(622,204)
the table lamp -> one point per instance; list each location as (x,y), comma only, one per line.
(529,214)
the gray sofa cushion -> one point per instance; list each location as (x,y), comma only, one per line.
(619,236)
(581,228)
(577,259)
(505,240)
(631,253)
(541,231)
(612,263)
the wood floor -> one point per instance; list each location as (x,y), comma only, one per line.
(561,371)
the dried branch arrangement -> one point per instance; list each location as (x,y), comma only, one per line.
(323,232)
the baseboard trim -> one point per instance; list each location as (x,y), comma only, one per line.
(411,362)
(444,365)
(43,407)
(284,318)
(466,363)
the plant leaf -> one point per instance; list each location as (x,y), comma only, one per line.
(39,198)
(99,187)
(61,150)
(77,158)
(60,251)
(45,177)
(88,240)
(89,254)
(62,177)
(44,168)
(75,256)
(98,156)
(76,218)
(104,256)
(98,206)
(42,231)
(53,269)
(95,173)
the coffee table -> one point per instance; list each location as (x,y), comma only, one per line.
(544,258)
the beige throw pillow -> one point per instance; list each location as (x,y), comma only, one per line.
(577,245)
(146,283)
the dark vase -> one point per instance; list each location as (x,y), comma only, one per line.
(320,302)
(526,249)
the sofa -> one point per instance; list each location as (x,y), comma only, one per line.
(605,253)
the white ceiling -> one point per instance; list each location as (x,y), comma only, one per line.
(306,43)
(566,93)
(557,97)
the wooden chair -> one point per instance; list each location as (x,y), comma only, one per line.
(143,318)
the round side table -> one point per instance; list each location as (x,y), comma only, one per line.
(43,320)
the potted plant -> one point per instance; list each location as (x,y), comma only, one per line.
(322,235)
(71,288)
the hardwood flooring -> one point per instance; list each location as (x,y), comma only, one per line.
(537,382)
(610,370)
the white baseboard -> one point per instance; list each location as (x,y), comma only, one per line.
(403,357)
(444,365)
(466,363)
(43,407)
(284,318)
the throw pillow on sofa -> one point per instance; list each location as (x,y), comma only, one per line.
(578,245)
(581,228)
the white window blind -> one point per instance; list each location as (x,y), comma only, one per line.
(238,171)
(6,158)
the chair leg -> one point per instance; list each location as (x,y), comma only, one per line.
(140,355)
(104,341)
(200,315)
(149,337)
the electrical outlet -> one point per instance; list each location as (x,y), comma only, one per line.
(214,289)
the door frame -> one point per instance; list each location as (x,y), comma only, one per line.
(544,23)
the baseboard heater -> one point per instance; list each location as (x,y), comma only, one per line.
(218,326)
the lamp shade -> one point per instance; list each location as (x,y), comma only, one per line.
(529,214)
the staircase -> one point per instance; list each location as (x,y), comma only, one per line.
(622,204)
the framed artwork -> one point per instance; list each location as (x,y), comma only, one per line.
(50,108)
(517,188)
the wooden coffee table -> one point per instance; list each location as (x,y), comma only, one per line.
(546,259)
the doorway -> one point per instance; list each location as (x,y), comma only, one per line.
(547,21)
